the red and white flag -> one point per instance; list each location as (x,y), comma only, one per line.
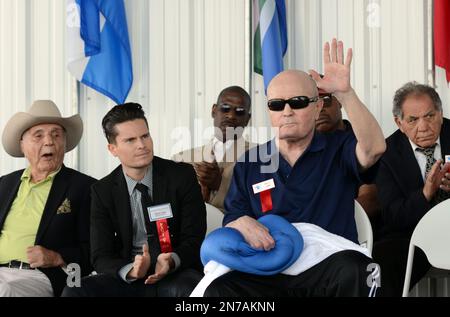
(442,35)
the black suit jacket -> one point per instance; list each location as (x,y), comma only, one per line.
(400,184)
(111,222)
(65,233)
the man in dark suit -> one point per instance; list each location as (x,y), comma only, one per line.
(148,217)
(44,209)
(411,180)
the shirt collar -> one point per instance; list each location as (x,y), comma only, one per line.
(217,142)
(317,144)
(26,175)
(147,180)
(221,148)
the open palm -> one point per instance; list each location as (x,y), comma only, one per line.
(336,73)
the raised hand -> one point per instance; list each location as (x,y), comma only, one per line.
(209,174)
(445,181)
(436,179)
(336,72)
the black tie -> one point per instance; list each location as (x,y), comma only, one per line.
(152,233)
(429,154)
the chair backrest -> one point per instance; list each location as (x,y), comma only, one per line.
(214,218)
(363,226)
(432,235)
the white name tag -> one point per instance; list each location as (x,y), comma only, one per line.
(160,212)
(263,186)
(447,159)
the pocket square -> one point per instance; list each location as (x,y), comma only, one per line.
(64,208)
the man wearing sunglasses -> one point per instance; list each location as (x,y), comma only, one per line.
(330,120)
(315,182)
(214,161)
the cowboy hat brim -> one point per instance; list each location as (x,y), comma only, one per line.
(22,121)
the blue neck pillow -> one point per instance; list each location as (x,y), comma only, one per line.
(228,247)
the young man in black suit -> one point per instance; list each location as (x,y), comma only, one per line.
(410,181)
(148,217)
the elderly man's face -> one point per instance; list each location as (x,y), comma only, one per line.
(44,146)
(294,124)
(421,121)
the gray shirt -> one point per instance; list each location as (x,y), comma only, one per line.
(139,231)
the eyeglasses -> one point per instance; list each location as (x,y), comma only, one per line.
(298,102)
(327,99)
(225,108)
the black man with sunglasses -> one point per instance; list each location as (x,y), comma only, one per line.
(315,182)
(214,161)
(330,118)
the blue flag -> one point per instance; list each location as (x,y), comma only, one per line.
(270,40)
(98,46)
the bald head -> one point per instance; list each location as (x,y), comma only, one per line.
(291,83)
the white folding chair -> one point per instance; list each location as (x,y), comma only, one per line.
(214,218)
(432,235)
(364,228)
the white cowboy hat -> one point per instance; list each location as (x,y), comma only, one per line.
(41,111)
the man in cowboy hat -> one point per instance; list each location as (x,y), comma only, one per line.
(44,209)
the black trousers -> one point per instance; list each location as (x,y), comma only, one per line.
(342,274)
(176,284)
(392,255)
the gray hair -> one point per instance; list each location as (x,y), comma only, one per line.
(415,89)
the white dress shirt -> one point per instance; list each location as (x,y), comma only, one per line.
(220,148)
(421,157)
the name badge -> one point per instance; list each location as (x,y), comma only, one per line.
(447,159)
(160,212)
(263,186)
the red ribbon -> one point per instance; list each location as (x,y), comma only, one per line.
(164,236)
(266,200)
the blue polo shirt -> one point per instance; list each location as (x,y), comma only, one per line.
(320,188)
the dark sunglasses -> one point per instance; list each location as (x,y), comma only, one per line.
(298,102)
(327,101)
(225,108)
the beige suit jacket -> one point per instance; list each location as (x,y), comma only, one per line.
(205,153)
